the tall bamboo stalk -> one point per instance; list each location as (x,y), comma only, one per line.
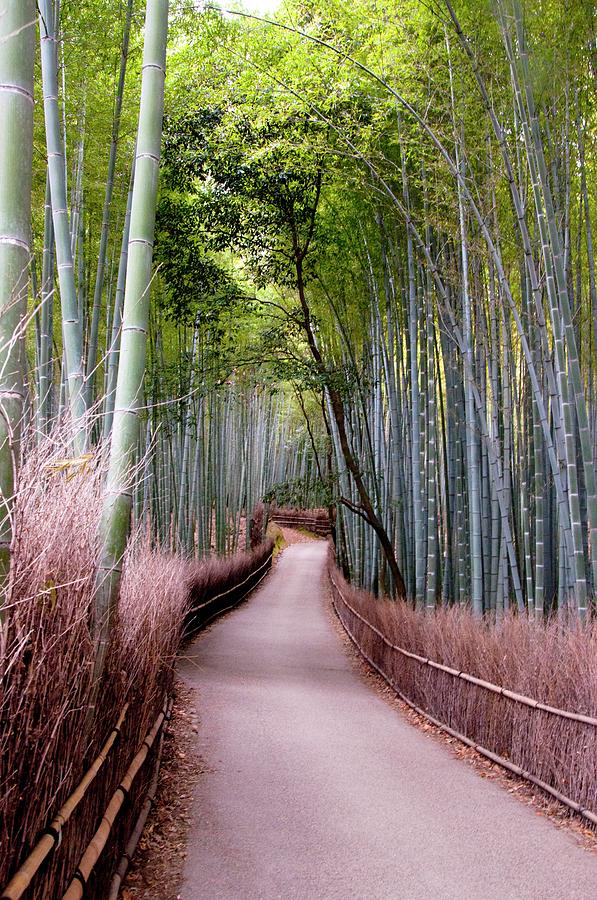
(103,247)
(71,322)
(17,58)
(115,521)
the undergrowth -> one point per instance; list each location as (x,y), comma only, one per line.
(554,662)
(275,534)
(46,661)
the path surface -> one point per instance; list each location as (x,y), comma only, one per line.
(317,788)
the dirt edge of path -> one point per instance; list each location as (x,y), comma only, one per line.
(156,870)
(524,791)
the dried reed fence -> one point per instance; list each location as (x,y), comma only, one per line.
(46,747)
(315,520)
(523,694)
(219,584)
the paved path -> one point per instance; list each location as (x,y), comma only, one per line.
(318,788)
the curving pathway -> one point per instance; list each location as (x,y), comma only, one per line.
(317,788)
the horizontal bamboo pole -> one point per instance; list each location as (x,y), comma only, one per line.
(489,754)
(76,889)
(464,676)
(220,612)
(278,517)
(52,835)
(131,845)
(306,523)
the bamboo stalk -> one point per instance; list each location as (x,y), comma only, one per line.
(115,522)
(103,247)
(71,321)
(17,58)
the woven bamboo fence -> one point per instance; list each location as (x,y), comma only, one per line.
(314,520)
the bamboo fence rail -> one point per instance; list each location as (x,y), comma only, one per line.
(52,836)
(195,620)
(315,525)
(131,845)
(584,722)
(76,888)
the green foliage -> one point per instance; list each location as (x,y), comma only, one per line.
(301,493)
(257,183)
(197,288)
(292,172)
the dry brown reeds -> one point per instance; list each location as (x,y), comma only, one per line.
(554,663)
(46,660)
(218,583)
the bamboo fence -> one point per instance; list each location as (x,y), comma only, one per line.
(200,614)
(552,748)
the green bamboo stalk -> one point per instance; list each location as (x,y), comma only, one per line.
(17,58)
(114,348)
(103,247)
(588,234)
(569,383)
(115,521)
(71,322)
(472,456)
(432,453)
(183,499)
(45,374)
(415,457)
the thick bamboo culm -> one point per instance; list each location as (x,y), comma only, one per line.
(519,699)
(76,888)
(53,833)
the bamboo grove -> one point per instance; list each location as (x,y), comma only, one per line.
(422,213)
(342,259)
(479,335)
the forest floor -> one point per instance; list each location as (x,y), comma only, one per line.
(292,771)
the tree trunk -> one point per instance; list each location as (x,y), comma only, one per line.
(366,509)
